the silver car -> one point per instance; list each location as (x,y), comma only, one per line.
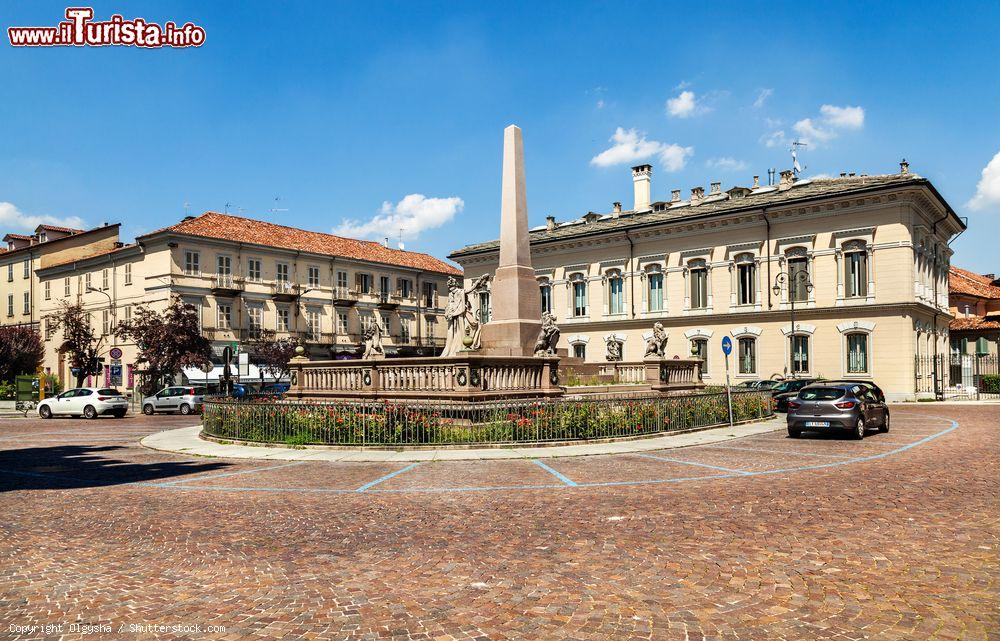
(854,407)
(181,398)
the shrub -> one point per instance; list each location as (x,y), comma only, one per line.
(990,383)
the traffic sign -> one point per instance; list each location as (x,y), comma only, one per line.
(727,345)
(115,353)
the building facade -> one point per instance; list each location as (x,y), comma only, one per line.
(862,259)
(974,300)
(244,276)
(24,254)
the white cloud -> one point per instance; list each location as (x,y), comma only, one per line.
(413,214)
(683,106)
(726,163)
(843,117)
(13,219)
(673,157)
(988,189)
(600,104)
(762,97)
(630,146)
(773,139)
(831,122)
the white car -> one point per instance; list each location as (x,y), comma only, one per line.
(89,402)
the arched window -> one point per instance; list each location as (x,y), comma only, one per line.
(747,355)
(616,292)
(855,269)
(699,349)
(799,345)
(698,283)
(579,284)
(654,289)
(857,353)
(545,290)
(746,280)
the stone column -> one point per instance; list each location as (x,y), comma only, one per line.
(517,310)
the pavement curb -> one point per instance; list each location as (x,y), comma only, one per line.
(186,440)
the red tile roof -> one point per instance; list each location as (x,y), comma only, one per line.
(973,322)
(962,281)
(68,230)
(246,230)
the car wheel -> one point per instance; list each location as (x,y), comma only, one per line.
(185,409)
(859,429)
(148,410)
(45,411)
(89,412)
(884,427)
(794,433)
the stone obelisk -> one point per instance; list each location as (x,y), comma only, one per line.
(516,303)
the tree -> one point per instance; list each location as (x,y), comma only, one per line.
(271,355)
(167,341)
(21,351)
(80,343)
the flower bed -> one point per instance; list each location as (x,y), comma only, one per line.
(440,423)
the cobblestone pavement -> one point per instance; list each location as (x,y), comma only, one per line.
(763,538)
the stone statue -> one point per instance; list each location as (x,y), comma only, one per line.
(461,320)
(548,337)
(657,343)
(372,338)
(614,349)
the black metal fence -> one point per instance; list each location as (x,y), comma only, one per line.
(958,375)
(378,423)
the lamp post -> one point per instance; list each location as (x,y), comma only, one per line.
(800,277)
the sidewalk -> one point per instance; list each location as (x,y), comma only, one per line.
(186,441)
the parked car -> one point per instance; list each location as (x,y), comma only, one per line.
(851,406)
(788,389)
(745,385)
(274,389)
(89,402)
(182,398)
(767,385)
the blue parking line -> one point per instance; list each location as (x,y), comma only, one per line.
(711,467)
(555,473)
(366,486)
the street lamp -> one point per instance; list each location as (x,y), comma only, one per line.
(799,277)
(111,308)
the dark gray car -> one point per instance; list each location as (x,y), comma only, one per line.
(823,407)
(181,398)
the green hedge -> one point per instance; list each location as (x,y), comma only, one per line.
(386,423)
(990,383)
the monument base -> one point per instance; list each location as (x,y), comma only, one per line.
(510,337)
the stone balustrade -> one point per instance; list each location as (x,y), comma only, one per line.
(463,377)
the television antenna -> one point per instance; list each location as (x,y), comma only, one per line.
(187,209)
(796,168)
(276,209)
(401,246)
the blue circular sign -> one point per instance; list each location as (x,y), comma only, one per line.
(727,345)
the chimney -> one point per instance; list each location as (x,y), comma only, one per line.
(550,223)
(904,167)
(716,189)
(770,176)
(675,196)
(617,209)
(640,179)
(787,177)
(843,174)
(756,182)
(696,194)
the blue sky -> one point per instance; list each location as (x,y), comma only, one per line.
(392,114)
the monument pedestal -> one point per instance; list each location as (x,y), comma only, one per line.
(515,325)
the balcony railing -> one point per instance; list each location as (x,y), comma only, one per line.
(284,290)
(344,296)
(387,300)
(227,284)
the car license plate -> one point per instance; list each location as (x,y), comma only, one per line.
(817,423)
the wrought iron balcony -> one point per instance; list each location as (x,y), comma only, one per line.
(344,296)
(227,284)
(284,290)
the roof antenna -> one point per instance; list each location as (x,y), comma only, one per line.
(796,168)
(276,209)
(187,209)
(401,246)
(227,207)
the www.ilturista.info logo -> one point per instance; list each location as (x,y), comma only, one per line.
(79,30)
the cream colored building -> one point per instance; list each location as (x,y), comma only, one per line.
(245,275)
(873,248)
(24,254)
